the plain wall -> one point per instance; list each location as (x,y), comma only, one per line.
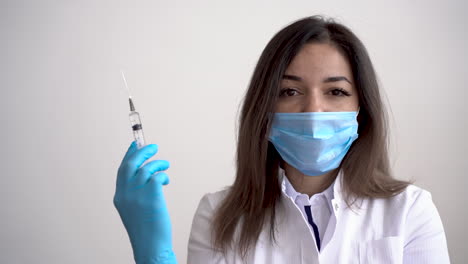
(65,124)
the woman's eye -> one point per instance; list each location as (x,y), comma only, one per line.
(340,92)
(288,92)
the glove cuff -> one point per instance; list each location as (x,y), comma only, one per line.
(164,257)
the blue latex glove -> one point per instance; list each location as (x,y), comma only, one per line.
(139,199)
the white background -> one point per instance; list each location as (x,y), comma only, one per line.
(65,124)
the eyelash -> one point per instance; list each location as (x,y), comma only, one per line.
(284,90)
(342,91)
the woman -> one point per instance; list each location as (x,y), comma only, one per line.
(313,181)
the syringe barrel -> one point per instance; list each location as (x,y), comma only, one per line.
(137,129)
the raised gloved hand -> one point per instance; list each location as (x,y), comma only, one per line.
(140,202)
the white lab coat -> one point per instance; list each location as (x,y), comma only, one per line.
(405,228)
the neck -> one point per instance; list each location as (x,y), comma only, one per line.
(309,185)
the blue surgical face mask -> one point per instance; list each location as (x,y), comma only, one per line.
(314,142)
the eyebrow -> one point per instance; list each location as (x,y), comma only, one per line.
(326,80)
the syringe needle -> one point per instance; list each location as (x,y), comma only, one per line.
(135,119)
(126,85)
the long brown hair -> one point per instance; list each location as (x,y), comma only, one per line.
(250,202)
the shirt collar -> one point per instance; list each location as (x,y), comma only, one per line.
(332,192)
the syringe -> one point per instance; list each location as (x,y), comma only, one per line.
(136,125)
(135,120)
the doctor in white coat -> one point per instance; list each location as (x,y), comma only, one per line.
(313,183)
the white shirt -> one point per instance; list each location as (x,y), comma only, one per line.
(405,228)
(320,204)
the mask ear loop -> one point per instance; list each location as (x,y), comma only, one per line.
(359,108)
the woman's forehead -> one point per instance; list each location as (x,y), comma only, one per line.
(316,61)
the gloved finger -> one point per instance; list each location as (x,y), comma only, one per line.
(131,149)
(144,173)
(158,179)
(134,161)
